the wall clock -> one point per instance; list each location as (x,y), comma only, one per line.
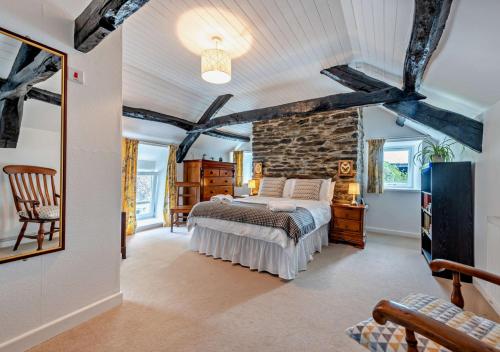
(346,168)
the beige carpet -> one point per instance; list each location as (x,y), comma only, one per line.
(177,300)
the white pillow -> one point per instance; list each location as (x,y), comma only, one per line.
(288,189)
(324,191)
(331,192)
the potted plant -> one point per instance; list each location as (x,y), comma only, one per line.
(435,152)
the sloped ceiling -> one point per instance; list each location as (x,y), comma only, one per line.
(464,71)
(289,42)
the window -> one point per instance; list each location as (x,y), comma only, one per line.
(247,167)
(400,171)
(146,197)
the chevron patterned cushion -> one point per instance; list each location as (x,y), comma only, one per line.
(307,189)
(272,187)
(391,337)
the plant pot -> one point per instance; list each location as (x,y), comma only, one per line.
(437,159)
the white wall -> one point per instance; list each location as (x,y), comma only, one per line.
(393,212)
(487,203)
(45,295)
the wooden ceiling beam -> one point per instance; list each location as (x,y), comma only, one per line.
(11,114)
(459,127)
(354,79)
(31,65)
(464,130)
(40,94)
(143,114)
(308,107)
(44,96)
(429,21)
(212,110)
(99,19)
(148,115)
(44,65)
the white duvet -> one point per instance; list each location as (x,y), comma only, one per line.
(320,211)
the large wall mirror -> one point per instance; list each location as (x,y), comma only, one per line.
(32,147)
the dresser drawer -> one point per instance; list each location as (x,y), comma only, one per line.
(348,225)
(211,172)
(355,238)
(218,181)
(226,173)
(346,213)
(215,190)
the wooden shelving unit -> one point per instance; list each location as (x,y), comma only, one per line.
(447,214)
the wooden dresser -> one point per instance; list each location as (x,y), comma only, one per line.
(348,224)
(215,177)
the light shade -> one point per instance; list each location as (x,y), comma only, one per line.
(215,66)
(252,184)
(353,188)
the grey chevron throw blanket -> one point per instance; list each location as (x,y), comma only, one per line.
(296,224)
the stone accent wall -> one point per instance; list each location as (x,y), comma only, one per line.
(311,147)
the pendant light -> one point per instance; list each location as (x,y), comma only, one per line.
(216,64)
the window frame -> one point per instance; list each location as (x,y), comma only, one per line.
(154,192)
(411,185)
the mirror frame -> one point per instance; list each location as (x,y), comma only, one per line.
(62,173)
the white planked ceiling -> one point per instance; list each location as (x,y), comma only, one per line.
(464,71)
(292,40)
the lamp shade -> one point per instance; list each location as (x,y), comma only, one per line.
(216,66)
(252,184)
(353,188)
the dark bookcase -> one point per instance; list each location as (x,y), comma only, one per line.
(447,214)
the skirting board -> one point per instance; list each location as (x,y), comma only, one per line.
(392,232)
(55,327)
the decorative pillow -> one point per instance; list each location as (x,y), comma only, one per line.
(288,189)
(307,189)
(46,212)
(325,189)
(331,192)
(391,337)
(272,187)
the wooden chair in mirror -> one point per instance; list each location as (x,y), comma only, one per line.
(35,199)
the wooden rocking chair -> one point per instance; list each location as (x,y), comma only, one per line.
(437,331)
(35,199)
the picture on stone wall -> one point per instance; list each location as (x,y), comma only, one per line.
(346,168)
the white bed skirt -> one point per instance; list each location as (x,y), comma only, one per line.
(258,254)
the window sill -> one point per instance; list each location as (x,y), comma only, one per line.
(409,190)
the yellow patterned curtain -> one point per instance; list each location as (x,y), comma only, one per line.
(129,176)
(170,190)
(238,159)
(376,166)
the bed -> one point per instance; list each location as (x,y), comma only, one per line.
(276,250)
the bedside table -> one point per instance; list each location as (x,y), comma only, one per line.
(348,224)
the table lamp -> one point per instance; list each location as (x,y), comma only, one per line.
(354,190)
(252,184)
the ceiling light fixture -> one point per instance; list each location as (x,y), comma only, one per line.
(216,64)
